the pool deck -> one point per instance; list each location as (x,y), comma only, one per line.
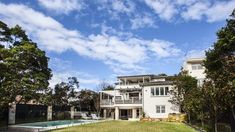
(25,128)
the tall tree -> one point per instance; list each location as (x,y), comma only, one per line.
(24,67)
(220,70)
(65,91)
(184,85)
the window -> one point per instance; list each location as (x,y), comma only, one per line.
(163,109)
(162,90)
(166,90)
(152,91)
(197,67)
(159,91)
(194,67)
(118,97)
(160,109)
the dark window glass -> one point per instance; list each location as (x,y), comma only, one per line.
(163,109)
(152,91)
(166,90)
(157,90)
(162,90)
(158,109)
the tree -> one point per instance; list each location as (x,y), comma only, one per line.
(184,85)
(220,70)
(88,98)
(24,67)
(65,91)
(104,86)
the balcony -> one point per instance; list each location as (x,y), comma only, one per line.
(106,102)
(129,101)
(109,103)
(129,86)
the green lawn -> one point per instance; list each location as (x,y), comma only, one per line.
(128,126)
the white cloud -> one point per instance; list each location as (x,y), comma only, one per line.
(123,53)
(117,6)
(208,10)
(142,21)
(62,6)
(220,11)
(62,70)
(195,54)
(164,8)
(195,12)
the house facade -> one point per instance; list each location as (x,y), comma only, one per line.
(136,95)
(194,68)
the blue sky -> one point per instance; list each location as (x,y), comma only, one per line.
(97,40)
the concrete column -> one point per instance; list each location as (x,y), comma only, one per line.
(134,113)
(105,113)
(49,113)
(72,110)
(116,113)
(12,114)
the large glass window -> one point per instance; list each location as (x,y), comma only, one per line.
(166,90)
(157,90)
(197,67)
(152,91)
(162,90)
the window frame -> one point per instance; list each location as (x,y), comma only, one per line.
(160,109)
(159,91)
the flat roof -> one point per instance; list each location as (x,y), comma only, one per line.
(191,60)
(158,83)
(144,75)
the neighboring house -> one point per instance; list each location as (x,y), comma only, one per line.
(194,68)
(137,95)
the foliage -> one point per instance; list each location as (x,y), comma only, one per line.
(64,92)
(103,86)
(220,70)
(88,98)
(24,67)
(183,86)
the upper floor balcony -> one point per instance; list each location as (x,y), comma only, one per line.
(128,86)
(110,103)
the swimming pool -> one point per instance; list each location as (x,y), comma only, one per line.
(49,125)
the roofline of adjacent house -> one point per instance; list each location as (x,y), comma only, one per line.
(144,75)
(158,83)
(195,60)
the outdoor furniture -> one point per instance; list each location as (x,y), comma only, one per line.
(84,116)
(94,116)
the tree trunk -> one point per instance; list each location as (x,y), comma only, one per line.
(233,112)
(189,118)
(202,121)
(215,118)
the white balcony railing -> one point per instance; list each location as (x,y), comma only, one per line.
(106,102)
(129,101)
(119,101)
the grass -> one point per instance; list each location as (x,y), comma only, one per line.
(127,126)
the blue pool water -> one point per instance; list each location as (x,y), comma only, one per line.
(56,123)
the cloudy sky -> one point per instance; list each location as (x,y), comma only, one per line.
(97,40)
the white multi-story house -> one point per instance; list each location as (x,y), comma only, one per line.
(138,94)
(194,68)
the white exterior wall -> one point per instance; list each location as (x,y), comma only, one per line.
(198,74)
(150,102)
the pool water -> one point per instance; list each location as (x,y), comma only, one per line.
(55,123)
